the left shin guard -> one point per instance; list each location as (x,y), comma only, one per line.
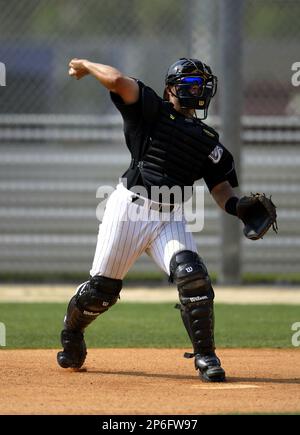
(196,299)
(198,319)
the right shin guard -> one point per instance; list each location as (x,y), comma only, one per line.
(75,319)
(92,298)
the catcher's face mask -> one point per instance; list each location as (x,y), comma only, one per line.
(195,85)
(195,92)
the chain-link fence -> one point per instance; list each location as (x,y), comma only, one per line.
(140,37)
(52,163)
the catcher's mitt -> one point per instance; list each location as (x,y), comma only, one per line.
(258,213)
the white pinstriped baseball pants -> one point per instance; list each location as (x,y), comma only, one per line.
(121,241)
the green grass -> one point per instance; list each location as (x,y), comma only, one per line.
(36,325)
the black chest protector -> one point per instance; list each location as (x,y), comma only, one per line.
(175,148)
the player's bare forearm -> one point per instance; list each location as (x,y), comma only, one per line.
(108,76)
(222,192)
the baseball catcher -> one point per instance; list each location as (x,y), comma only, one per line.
(170,146)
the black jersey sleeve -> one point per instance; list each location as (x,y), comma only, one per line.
(146,107)
(219,167)
(131,113)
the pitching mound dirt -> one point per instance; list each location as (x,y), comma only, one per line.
(149,381)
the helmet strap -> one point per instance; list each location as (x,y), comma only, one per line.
(174,95)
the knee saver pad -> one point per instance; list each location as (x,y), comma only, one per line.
(98,294)
(189,272)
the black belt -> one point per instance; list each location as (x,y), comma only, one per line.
(157,206)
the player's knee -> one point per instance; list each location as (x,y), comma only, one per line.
(98,294)
(189,272)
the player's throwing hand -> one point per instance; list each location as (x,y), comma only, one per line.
(78,68)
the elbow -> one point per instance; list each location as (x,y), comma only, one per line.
(117,82)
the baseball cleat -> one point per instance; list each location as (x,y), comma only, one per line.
(74,349)
(209,367)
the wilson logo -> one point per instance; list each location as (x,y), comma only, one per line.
(90,313)
(198,298)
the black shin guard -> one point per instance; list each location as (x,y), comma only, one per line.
(75,319)
(199,323)
(93,298)
(196,296)
(197,311)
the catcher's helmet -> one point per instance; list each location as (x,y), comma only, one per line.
(194,83)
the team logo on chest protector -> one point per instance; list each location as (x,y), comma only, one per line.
(216,154)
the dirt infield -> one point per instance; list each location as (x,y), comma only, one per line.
(149,382)
(231,295)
